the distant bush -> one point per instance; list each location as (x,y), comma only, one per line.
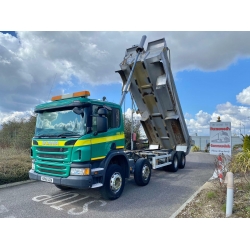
(17,133)
(237,147)
(195,148)
(14,165)
(15,143)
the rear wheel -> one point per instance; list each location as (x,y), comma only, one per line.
(174,165)
(62,187)
(114,182)
(142,172)
(181,159)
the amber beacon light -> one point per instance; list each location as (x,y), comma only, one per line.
(84,93)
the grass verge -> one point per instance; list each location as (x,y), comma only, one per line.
(211,201)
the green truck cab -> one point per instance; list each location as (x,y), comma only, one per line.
(79,143)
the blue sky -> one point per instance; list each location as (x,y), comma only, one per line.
(207,89)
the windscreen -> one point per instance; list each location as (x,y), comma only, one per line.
(60,123)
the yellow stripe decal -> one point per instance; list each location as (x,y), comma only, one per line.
(99,140)
(82,142)
(119,147)
(97,158)
(51,143)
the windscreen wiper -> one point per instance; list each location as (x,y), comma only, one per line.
(68,133)
(44,135)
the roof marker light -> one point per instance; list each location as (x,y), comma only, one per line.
(84,93)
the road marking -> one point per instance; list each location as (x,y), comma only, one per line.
(59,207)
(47,197)
(72,195)
(85,207)
(61,198)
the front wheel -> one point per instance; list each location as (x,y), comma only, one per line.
(142,172)
(114,182)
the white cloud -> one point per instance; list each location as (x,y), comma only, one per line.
(239,116)
(136,116)
(244,96)
(203,118)
(6,117)
(231,112)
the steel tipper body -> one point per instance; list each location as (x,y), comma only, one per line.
(152,86)
(78,143)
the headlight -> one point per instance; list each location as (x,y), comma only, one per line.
(79,171)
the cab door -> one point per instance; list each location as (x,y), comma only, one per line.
(102,142)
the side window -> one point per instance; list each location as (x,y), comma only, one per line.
(113,117)
(109,116)
(116,118)
(94,112)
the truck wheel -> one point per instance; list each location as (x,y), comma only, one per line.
(62,187)
(142,172)
(114,183)
(174,166)
(181,159)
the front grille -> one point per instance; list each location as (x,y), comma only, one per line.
(52,153)
(60,170)
(45,149)
(46,168)
(52,156)
(53,160)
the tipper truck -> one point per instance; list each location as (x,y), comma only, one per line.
(79,142)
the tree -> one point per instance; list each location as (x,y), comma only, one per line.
(17,133)
(127,131)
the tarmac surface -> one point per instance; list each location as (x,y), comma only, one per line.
(172,216)
(170,189)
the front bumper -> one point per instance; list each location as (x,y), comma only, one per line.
(80,182)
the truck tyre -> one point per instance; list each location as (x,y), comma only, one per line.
(62,187)
(174,166)
(181,159)
(114,182)
(142,172)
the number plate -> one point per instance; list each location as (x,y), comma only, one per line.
(47,179)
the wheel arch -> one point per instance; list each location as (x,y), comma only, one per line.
(119,158)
